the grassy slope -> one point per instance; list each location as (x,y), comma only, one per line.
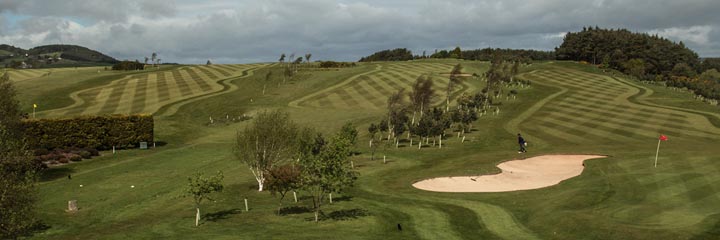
(618,197)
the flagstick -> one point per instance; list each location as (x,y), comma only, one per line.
(657,152)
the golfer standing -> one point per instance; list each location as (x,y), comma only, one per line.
(522,143)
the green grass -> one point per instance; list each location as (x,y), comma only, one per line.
(569,108)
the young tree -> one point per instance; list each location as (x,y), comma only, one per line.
(373,129)
(307,57)
(10,113)
(200,188)
(268,140)
(454,79)
(396,108)
(283,179)
(420,96)
(327,171)
(153,57)
(268,76)
(146,59)
(349,133)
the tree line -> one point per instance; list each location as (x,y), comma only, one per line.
(485,54)
(644,56)
(413,114)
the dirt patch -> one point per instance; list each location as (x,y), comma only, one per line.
(532,173)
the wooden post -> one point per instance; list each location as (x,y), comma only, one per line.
(384,159)
(246,205)
(352,164)
(657,152)
(330,197)
(197,217)
(295,196)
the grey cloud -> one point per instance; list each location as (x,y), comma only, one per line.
(231,31)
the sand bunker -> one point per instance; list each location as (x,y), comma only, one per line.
(531,173)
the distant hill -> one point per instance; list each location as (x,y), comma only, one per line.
(50,56)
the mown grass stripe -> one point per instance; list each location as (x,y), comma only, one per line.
(199,80)
(182,83)
(113,101)
(152,99)
(162,87)
(220,70)
(138,103)
(370,94)
(126,99)
(173,87)
(201,70)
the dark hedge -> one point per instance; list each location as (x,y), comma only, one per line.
(98,132)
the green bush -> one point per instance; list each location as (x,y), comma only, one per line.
(85,154)
(95,132)
(75,158)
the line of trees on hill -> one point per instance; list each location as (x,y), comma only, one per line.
(644,56)
(485,54)
(418,118)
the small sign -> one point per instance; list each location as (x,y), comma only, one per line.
(143,145)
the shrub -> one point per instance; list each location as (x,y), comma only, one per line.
(85,154)
(93,152)
(63,160)
(75,158)
(41,151)
(95,132)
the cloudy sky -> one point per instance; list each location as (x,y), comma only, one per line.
(241,31)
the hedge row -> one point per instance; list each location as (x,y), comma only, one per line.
(98,132)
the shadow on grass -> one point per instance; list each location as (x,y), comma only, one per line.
(348,214)
(342,215)
(295,210)
(343,198)
(220,215)
(50,174)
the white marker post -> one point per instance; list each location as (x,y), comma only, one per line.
(34,107)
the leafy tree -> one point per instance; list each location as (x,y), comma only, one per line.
(398,54)
(454,79)
(373,129)
(635,67)
(10,113)
(18,172)
(269,139)
(711,75)
(327,170)
(283,179)
(200,188)
(146,59)
(349,133)
(421,95)
(307,57)
(153,57)
(282,58)
(456,53)
(683,70)
(268,76)
(208,62)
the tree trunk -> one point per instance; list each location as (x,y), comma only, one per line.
(440,142)
(420,143)
(260,184)
(413,118)
(316,214)
(197,216)
(411,141)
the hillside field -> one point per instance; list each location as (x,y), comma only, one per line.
(569,108)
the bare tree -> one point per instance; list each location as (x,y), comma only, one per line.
(421,95)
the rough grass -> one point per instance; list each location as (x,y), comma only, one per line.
(567,109)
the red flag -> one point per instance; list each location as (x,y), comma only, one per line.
(663,137)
